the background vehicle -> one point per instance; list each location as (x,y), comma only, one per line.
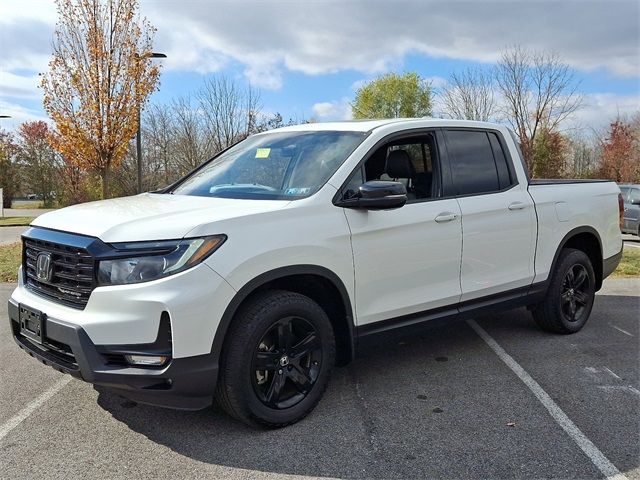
(631,198)
(257,273)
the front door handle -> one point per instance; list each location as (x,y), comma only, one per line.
(517,206)
(446,217)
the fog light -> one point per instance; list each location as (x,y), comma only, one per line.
(147,360)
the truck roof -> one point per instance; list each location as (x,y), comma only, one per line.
(368,125)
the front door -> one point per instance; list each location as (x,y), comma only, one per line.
(406,260)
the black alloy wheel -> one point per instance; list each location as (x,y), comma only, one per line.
(575,292)
(570,295)
(277,359)
(286,363)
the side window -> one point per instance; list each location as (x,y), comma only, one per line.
(357,179)
(410,161)
(504,176)
(634,195)
(473,167)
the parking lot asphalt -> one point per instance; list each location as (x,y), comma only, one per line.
(441,404)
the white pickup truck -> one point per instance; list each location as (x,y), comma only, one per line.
(250,278)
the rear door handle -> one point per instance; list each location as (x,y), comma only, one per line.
(517,206)
(446,217)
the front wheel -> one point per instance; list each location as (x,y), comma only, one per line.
(277,359)
(570,296)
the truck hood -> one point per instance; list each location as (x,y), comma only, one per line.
(149,216)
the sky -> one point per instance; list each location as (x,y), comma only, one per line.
(308,58)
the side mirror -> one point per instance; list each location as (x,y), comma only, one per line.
(377,195)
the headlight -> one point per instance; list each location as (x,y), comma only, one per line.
(145,261)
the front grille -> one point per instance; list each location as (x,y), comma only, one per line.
(72,279)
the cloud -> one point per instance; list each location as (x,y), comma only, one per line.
(327,37)
(267,39)
(19,86)
(437,82)
(336,110)
(600,109)
(19,114)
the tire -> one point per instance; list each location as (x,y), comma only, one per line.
(291,338)
(570,295)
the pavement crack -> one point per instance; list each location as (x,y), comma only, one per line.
(366,416)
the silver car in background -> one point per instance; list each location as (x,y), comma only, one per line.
(631,197)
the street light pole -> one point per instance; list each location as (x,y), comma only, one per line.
(139,151)
(139,133)
(1,191)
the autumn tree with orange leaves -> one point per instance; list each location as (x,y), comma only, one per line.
(39,162)
(8,170)
(621,153)
(99,77)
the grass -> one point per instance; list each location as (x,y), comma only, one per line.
(10,258)
(630,263)
(15,221)
(29,206)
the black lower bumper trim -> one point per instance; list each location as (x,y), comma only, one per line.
(185,383)
(610,264)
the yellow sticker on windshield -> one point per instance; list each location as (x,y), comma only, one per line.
(263,152)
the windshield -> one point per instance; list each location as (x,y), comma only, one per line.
(274,166)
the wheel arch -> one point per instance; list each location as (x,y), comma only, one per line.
(318,283)
(588,240)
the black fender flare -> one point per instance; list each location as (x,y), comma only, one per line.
(572,233)
(269,276)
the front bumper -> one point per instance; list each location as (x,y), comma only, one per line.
(185,383)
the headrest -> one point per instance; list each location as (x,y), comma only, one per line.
(399,164)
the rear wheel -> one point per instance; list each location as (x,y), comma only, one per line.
(570,296)
(277,360)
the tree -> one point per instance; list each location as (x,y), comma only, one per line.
(159,141)
(469,96)
(191,142)
(539,92)
(99,77)
(230,112)
(621,153)
(274,121)
(393,96)
(38,159)
(8,170)
(583,155)
(549,155)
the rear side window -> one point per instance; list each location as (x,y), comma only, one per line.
(504,176)
(473,167)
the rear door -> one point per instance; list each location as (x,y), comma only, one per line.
(498,217)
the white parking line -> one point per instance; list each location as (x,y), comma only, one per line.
(32,406)
(612,373)
(621,330)
(623,388)
(607,468)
